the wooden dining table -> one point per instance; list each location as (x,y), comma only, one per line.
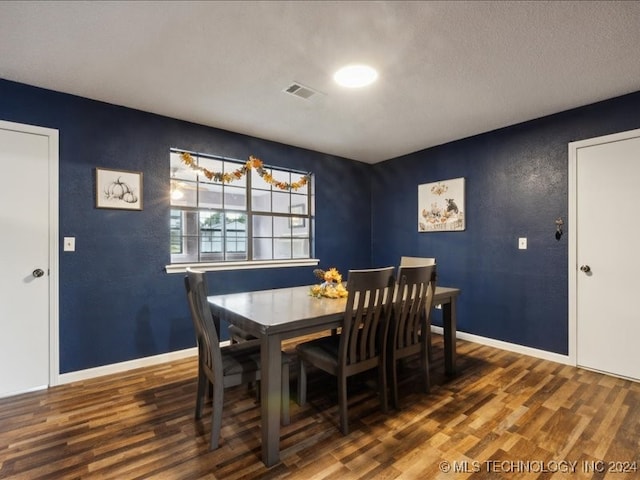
(279,314)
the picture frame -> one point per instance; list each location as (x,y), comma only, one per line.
(297,222)
(441,206)
(118,189)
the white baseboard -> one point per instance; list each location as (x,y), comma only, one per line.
(190,352)
(124,366)
(511,347)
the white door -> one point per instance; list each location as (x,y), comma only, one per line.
(24,257)
(606,255)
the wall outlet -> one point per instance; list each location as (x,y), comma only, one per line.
(522,243)
(69,244)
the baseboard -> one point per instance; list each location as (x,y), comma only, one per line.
(124,366)
(511,347)
(189,352)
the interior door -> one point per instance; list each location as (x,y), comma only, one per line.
(607,173)
(24,257)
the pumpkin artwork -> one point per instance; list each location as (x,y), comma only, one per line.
(119,190)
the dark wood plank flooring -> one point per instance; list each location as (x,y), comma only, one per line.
(505,416)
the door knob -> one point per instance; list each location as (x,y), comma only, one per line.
(38,272)
(585,268)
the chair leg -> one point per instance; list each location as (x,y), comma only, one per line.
(302,383)
(424,366)
(203,383)
(342,404)
(216,417)
(384,390)
(383,387)
(285,394)
(394,382)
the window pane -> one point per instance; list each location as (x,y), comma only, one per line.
(258,182)
(210,195)
(262,226)
(260,201)
(262,249)
(300,248)
(282,227)
(211,232)
(176,231)
(210,164)
(188,240)
(235,198)
(299,204)
(299,227)
(303,190)
(281,202)
(236,236)
(184,194)
(179,170)
(235,169)
(282,248)
(281,176)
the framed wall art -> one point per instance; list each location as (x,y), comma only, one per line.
(121,189)
(441,206)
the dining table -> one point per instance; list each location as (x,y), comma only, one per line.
(282,313)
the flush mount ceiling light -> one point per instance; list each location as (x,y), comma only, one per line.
(355,76)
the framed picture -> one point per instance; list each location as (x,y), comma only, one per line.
(441,206)
(297,222)
(120,189)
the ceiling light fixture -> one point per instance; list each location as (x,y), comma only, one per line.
(355,76)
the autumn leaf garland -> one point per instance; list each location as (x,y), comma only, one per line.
(253,163)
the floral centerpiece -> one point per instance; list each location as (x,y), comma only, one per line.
(331,286)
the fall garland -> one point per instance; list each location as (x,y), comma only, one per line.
(252,163)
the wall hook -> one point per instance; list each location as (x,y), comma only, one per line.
(559,224)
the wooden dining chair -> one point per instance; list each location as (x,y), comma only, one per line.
(417,261)
(420,262)
(222,367)
(409,322)
(360,345)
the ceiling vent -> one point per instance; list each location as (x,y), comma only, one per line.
(298,90)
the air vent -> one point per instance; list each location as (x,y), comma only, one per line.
(298,90)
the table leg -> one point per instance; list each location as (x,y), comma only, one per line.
(449,323)
(270,393)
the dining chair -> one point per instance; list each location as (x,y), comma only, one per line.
(410,320)
(222,367)
(420,262)
(360,345)
(417,261)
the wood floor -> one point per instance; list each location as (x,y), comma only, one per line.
(505,416)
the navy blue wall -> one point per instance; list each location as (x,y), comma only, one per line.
(516,186)
(117,304)
(116,301)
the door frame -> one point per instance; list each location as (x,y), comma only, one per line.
(53,138)
(573,222)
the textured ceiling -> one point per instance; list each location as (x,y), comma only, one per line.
(448,70)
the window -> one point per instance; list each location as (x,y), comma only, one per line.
(247,219)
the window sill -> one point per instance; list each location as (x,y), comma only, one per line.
(212,267)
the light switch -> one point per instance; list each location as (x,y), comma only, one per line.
(522,243)
(69,244)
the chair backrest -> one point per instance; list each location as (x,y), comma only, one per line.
(417,261)
(366,318)
(413,305)
(206,331)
